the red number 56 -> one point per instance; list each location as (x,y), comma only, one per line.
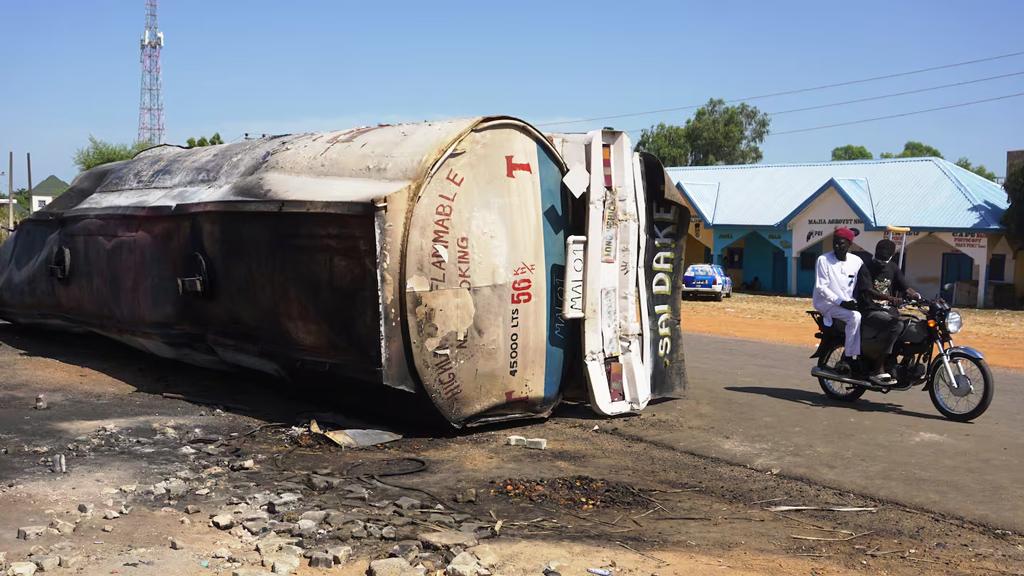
(521,291)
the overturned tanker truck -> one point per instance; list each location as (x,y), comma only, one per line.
(493,268)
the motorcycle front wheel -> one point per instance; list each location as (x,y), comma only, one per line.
(972,393)
(834,389)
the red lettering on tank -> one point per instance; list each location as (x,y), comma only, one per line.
(455,178)
(511,397)
(462,262)
(512,167)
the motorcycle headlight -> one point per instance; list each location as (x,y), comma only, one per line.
(954,322)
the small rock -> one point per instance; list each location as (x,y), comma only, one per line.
(283,564)
(465,564)
(406,503)
(321,560)
(177,544)
(468,495)
(244,465)
(447,539)
(340,554)
(60,464)
(108,528)
(187,450)
(70,561)
(537,443)
(394,567)
(486,555)
(202,492)
(125,509)
(516,441)
(41,402)
(185,521)
(128,488)
(85,508)
(31,532)
(314,516)
(222,553)
(408,549)
(47,563)
(110,515)
(61,526)
(192,509)
(22,569)
(255,526)
(321,483)
(223,521)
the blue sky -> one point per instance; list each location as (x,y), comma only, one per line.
(71,68)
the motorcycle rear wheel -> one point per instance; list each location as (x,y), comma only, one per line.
(952,406)
(836,390)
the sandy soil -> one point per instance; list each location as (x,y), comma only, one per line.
(783,319)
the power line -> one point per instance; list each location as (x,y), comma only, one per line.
(894,94)
(901,115)
(794,91)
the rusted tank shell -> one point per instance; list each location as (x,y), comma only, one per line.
(418,256)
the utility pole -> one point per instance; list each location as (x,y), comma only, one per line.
(28,160)
(10,191)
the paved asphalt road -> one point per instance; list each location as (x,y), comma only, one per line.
(755,403)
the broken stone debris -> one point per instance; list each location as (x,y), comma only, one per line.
(22,569)
(321,560)
(47,563)
(395,567)
(31,532)
(41,403)
(177,544)
(223,521)
(534,443)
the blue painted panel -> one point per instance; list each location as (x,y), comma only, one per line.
(554,218)
(805,278)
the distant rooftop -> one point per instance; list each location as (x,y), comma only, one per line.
(50,186)
(917,192)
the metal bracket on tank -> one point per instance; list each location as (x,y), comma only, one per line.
(198,282)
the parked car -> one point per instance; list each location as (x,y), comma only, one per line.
(707,279)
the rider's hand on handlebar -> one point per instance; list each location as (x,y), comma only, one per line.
(849,304)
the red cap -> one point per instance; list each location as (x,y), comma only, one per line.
(844,233)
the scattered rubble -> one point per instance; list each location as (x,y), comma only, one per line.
(31,532)
(41,403)
(580,492)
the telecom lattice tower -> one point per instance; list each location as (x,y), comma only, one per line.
(151,103)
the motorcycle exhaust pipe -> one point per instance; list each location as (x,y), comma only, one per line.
(819,372)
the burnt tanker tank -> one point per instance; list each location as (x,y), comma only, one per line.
(428,257)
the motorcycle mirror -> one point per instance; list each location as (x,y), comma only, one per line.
(947,287)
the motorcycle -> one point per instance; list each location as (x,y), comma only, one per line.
(957,379)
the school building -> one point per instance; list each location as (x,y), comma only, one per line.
(770,222)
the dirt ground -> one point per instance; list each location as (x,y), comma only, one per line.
(783,320)
(598,497)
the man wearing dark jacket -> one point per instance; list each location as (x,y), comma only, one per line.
(879,292)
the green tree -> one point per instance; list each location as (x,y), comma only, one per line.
(1013,218)
(716,134)
(101,152)
(722,134)
(667,142)
(914,149)
(980,169)
(203,141)
(851,152)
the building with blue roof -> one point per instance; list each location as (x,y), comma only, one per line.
(771,221)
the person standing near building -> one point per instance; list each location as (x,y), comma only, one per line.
(835,278)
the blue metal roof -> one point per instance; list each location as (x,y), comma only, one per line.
(922,193)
